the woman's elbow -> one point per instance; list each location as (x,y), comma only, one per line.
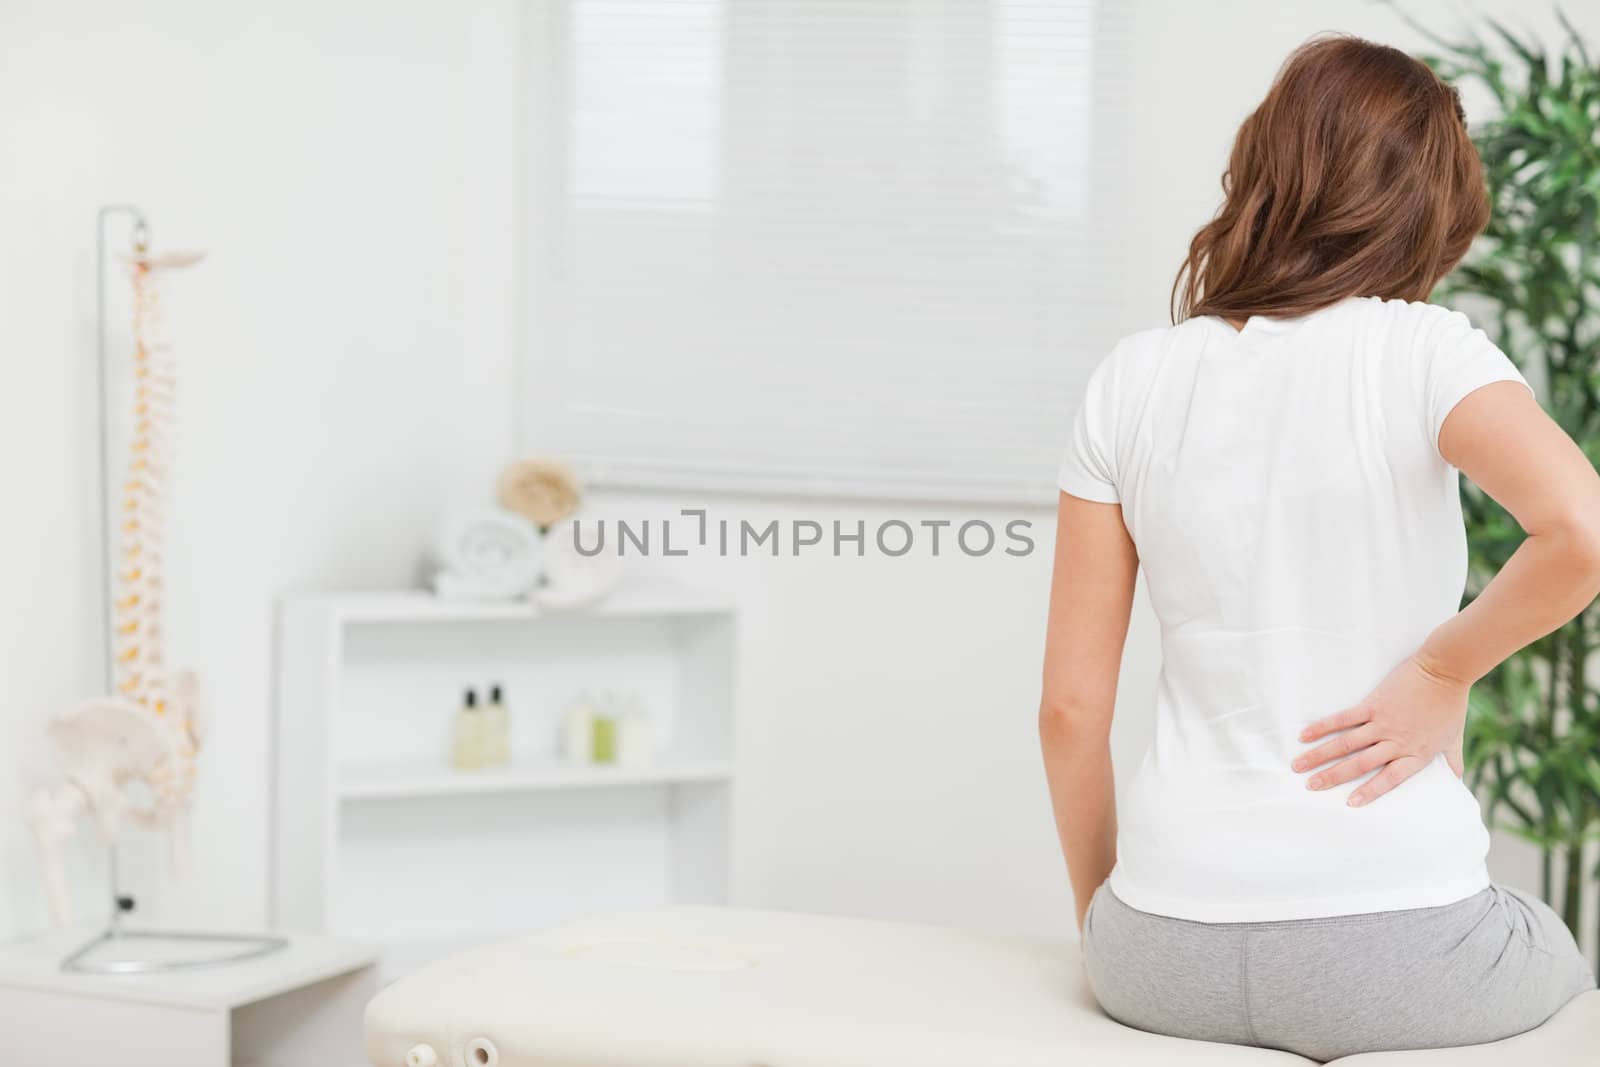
(1582,542)
(1073,718)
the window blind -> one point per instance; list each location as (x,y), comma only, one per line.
(832,246)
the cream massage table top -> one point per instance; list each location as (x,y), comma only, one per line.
(721,987)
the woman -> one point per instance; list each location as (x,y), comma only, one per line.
(1298,864)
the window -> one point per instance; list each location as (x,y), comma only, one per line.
(838,246)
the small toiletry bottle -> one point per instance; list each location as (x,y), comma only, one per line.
(603,744)
(577,740)
(468,754)
(635,740)
(496,730)
(605,739)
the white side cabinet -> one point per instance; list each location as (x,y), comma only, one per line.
(378,838)
(296,1007)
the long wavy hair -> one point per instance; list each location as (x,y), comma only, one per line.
(1355,177)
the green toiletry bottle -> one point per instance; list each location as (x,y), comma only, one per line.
(603,731)
(605,739)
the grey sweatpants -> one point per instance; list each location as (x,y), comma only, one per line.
(1495,964)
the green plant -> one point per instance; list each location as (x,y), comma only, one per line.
(1533,279)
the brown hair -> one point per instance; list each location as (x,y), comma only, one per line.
(1355,177)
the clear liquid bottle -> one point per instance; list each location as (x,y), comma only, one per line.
(635,735)
(577,731)
(468,749)
(496,730)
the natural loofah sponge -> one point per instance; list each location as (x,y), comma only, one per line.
(543,491)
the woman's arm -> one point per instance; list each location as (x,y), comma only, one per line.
(1500,438)
(1091,596)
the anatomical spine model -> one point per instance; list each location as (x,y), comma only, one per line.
(131,755)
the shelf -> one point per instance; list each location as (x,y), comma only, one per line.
(645,600)
(373,827)
(398,780)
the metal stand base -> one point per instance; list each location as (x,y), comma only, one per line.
(247,947)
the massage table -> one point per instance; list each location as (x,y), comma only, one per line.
(724,987)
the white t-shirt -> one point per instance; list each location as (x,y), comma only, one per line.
(1300,536)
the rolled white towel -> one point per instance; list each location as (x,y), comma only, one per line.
(486,555)
(571,579)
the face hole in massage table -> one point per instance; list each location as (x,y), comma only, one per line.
(683,956)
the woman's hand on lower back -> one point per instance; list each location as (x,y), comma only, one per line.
(1412,716)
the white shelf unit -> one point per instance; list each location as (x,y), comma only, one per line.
(378,838)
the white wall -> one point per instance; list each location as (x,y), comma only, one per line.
(347,354)
(329,407)
(888,716)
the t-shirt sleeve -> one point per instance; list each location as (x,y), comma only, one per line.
(1088,469)
(1460,358)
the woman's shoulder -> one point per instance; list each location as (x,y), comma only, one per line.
(1157,338)
(1137,360)
(1407,318)
(1416,334)
(1146,349)
(1388,321)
